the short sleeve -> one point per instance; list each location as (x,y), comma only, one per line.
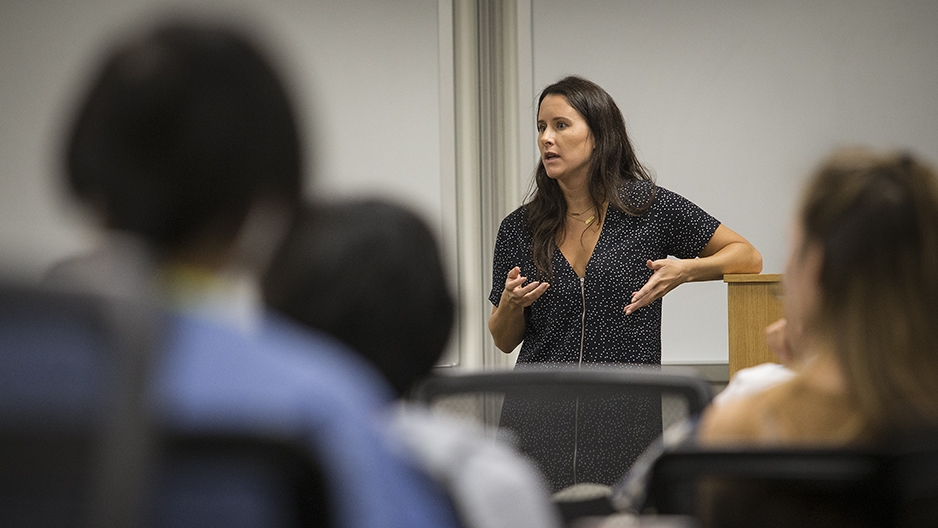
(688,228)
(509,245)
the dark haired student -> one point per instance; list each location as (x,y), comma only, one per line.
(186,141)
(371,274)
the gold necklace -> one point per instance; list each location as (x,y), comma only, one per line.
(587,222)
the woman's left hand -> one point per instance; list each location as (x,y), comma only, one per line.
(668,274)
(726,252)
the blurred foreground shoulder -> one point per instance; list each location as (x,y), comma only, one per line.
(733,422)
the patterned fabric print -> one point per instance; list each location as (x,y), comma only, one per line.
(671,226)
(592,438)
(608,437)
(542,428)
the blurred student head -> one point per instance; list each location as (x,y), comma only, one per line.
(863,277)
(185,129)
(369,273)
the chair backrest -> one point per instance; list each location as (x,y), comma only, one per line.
(578,425)
(910,481)
(772,487)
(236,480)
(892,484)
(684,383)
(74,437)
(78,448)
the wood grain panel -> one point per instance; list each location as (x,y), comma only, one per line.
(753,303)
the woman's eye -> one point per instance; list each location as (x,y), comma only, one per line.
(540,128)
(561,126)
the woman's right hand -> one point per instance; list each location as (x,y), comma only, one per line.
(506,323)
(519,294)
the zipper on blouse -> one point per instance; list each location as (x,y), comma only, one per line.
(582,319)
(576,409)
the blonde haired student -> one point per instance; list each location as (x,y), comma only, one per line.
(860,298)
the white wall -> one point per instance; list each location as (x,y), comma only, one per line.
(733,102)
(365,75)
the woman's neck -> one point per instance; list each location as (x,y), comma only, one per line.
(578,199)
(820,368)
(576,191)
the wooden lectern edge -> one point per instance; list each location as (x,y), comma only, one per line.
(752,277)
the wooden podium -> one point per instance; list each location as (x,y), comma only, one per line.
(753,304)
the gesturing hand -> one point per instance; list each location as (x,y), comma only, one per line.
(519,294)
(668,274)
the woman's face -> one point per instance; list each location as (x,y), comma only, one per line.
(801,285)
(564,140)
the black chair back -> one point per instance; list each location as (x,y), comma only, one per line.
(895,486)
(910,482)
(75,439)
(770,487)
(236,480)
(582,427)
(683,383)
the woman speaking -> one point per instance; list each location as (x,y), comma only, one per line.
(580,269)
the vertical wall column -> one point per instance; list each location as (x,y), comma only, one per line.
(492,65)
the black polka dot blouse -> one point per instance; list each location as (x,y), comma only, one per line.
(556,330)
